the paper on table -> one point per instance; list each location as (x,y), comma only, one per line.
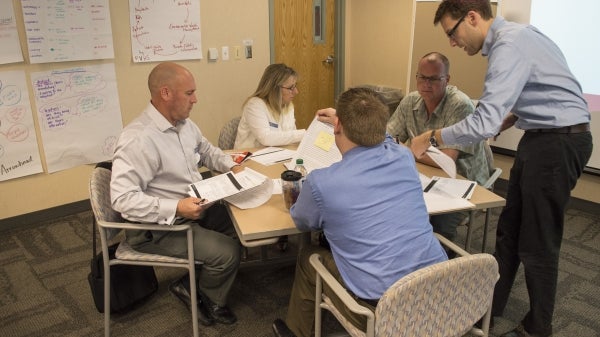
(437,203)
(226,184)
(443,160)
(441,202)
(455,188)
(253,197)
(317,148)
(272,155)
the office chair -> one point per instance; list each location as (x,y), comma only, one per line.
(228,134)
(445,299)
(110,223)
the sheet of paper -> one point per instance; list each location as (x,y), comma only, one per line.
(454,188)
(60,31)
(317,149)
(226,184)
(9,36)
(437,203)
(79,114)
(253,197)
(443,160)
(165,30)
(272,155)
(19,152)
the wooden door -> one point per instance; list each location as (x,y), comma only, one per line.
(295,46)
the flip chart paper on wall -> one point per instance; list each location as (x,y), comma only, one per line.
(79,115)
(19,152)
(9,37)
(59,31)
(165,30)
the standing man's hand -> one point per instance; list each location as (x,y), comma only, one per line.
(420,144)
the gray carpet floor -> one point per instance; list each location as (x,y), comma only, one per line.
(44,289)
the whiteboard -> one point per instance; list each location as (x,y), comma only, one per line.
(544,14)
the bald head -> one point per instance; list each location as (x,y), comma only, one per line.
(173,91)
(165,74)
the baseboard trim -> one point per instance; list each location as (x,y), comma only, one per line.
(33,218)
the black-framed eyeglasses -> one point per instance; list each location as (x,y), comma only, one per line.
(451,32)
(290,88)
(429,79)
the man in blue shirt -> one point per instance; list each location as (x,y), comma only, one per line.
(436,104)
(369,205)
(528,75)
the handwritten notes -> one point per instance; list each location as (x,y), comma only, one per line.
(79,114)
(19,153)
(59,31)
(9,38)
(325,140)
(317,148)
(165,30)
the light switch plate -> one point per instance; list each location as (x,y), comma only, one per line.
(213,54)
(225,53)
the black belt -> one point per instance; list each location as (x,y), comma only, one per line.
(578,128)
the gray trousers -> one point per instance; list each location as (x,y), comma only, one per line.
(215,244)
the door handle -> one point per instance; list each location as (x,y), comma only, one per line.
(329,59)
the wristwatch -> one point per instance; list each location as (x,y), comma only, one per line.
(432,140)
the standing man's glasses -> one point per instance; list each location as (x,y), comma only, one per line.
(451,32)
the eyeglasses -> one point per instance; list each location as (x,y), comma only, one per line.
(290,88)
(451,32)
(430,80)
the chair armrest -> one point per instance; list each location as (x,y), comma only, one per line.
(337,288)
(138,226)
(451,245)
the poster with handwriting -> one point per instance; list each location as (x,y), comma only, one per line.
(165,30)
(9,37)
(59,30)
(19,152)
(79,114)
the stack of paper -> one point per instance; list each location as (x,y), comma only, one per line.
(249,187)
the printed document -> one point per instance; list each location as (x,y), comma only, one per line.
(317,148)
(229,184)
(446,194)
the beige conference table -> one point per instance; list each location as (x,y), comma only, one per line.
(265,224)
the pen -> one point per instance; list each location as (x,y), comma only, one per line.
(260,154)
(195,191)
